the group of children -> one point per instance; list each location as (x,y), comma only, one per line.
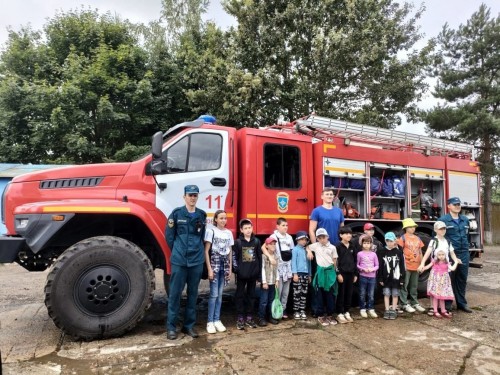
(277,264)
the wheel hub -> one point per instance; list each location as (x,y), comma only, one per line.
(102,290)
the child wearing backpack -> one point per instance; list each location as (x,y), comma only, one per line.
(412,249)
(247,261)
(284,246)
(369,229)
(438,243)
(270,280)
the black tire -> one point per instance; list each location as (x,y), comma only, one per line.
(99,288)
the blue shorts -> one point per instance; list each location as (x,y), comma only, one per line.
(390,292)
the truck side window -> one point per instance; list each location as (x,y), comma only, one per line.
(281,166)
(194,152)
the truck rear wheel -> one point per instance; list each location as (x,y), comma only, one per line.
(99,288)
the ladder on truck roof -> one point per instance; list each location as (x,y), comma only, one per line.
(322,127)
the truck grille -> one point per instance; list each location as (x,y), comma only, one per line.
(71,183)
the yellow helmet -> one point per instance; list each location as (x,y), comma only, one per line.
(408,222)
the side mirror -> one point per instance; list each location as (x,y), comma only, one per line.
(156,145)
(157,167)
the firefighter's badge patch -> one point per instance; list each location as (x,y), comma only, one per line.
(283,199)
(170,223)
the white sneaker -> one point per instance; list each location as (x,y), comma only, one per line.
(408,308)
(211,328)
(418,308)
(372,313)
(348,317)
(219,326)
(341,319)
(363,314)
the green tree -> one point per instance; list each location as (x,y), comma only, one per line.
(182,16)
(467,67)
(23,104)
(170,102)
(344,59)
(79,95)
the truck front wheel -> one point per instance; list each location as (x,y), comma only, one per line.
(99,288)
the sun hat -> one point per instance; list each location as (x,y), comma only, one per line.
(409,222)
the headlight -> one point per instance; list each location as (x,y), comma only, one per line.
(22,223)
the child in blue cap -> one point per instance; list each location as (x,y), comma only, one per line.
(301,270)
(391,274)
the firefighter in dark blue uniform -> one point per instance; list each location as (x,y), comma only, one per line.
(457,232)
(185,233)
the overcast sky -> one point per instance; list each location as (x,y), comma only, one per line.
(36,12)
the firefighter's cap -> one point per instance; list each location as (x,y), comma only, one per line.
(454,200)
(191,189)
(321,232)
(408,222)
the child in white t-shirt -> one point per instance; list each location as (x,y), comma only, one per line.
(218,247)
(441,243)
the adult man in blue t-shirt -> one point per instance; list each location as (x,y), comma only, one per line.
(326,216)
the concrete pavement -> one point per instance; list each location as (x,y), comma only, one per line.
(412,344)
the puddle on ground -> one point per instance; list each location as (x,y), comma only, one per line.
(140,361)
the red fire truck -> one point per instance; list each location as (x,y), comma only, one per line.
(101,227)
